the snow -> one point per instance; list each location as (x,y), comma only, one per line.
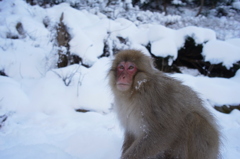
(162,41)
(40,100)
(217,51)
(200,35)
(166,42)
(10,90)
(236,5)
(87,33)
(235,41)
(177,2)
(100,89)
(218,91)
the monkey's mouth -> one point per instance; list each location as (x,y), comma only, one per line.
(123,86)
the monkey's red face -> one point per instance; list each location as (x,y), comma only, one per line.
(125,74)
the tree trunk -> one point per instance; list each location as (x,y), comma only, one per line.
(165,6)
(200,9)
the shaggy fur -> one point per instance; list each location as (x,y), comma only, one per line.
(162,118)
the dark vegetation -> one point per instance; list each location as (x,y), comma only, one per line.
(188,56)
(2,73)
(227,108)
(3,118)
(201,6)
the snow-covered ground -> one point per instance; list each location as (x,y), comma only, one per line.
(38,101)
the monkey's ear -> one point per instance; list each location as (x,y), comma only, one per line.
(152,63)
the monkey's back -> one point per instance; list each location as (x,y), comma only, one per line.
(178,108)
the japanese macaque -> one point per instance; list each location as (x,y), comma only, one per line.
(162,118)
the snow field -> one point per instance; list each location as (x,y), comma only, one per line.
(40,100)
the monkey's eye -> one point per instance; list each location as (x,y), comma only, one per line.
(121,67)
(131,67)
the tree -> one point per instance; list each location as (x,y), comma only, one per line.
(200,9)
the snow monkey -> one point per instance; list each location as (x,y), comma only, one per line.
(162,118)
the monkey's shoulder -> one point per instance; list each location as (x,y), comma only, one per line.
(169,92)
(175,85)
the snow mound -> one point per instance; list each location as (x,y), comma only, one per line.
(236,5)
(217,51)
(219,91)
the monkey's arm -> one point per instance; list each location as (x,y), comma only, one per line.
(128,140)
(145,147)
